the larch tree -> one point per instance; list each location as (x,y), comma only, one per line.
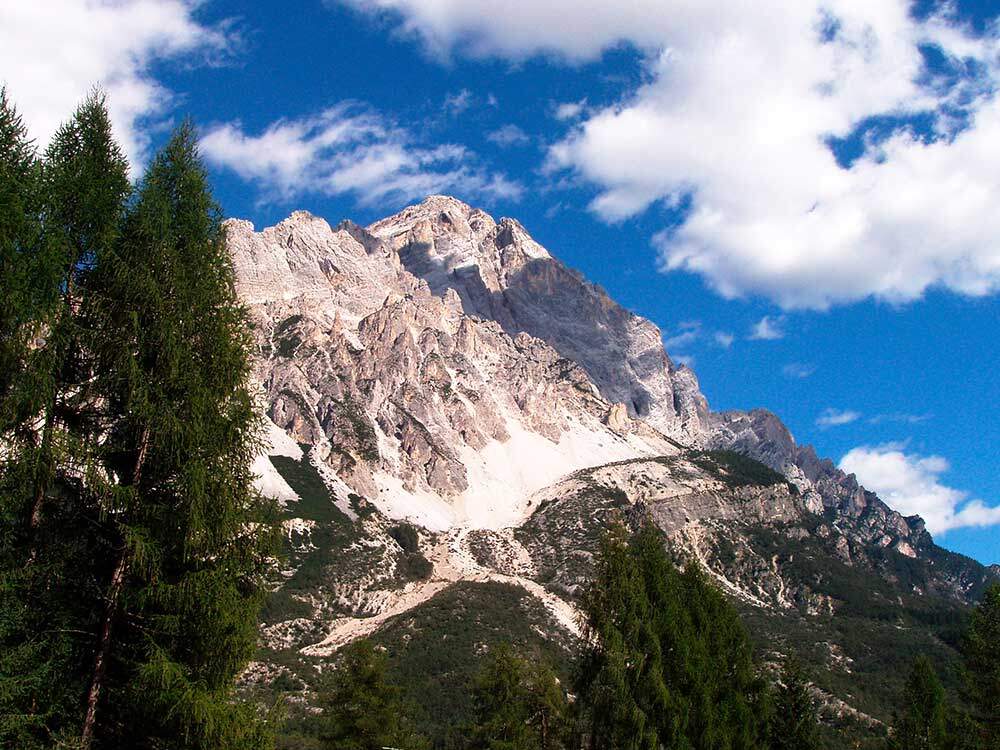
(188,536)
(70,206)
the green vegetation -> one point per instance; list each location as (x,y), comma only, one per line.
(361,708)
(134,550)
(436,650)
(519,705)
(981,652)
(671,665)
(736,469)
(794,718)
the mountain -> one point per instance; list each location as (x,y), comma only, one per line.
(455,416)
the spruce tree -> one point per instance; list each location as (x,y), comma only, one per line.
(923,722)
(794,724)
(519,705)
(981,652)
(187,536)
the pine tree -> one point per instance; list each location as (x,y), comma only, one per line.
(923,723)
(363,710)
(794,723)
(981,652)
(519,705)
(187,536)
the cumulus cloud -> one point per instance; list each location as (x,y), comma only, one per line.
(53,52)
(798,370)
(509,135)
(836,418)
(348,149)
(911,484)
(734,127)
(768,329)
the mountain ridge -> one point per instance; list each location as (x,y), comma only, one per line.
(442,369)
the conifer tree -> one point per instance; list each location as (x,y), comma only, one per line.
(20,234)
(923,723)
(187,536)
(85,183)
(672,665)
(49,548)
(794,721)
(519,705)
(981,652)
(363,709)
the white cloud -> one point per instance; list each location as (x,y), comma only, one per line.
(836,418)
(348,150)
(911,484)
(509,135)
(53,52)
(681,340)
(688,332)
(798,370)
(457,103)
(569,110)
(724,339)
(768,329)
(740,102)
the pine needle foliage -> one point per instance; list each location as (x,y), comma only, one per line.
(190,537)
(519,705)
(671,666)
(794,718)
(133,548)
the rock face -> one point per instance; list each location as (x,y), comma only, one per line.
(443,369)
(434,411)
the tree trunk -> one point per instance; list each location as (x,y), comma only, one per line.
(110,612)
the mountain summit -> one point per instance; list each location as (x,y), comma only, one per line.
(453,406)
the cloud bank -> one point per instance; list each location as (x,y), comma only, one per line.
(911,484)
(53,52)
(818,156)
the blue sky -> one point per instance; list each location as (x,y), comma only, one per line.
(803,197)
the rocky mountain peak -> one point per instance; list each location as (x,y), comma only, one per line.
(448,367)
